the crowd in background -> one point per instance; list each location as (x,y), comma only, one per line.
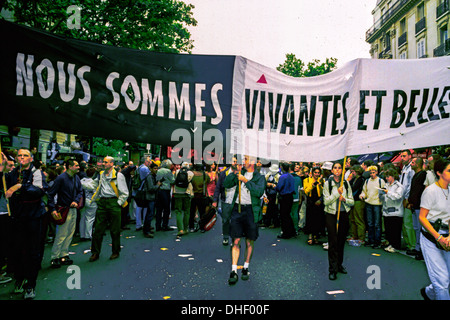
(385,214)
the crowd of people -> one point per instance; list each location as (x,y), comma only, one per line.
(381,205)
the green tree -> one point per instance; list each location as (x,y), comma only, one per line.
(157,25)
(103,147)
(295,67)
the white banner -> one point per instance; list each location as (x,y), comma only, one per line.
(365,106)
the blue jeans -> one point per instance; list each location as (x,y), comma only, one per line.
(438,266)
(149,216)
(162,209)
(417,226)
(373,216)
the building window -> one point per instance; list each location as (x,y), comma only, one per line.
(444,48)
(421,48)
(402,26)
(387,42)
(443,34)
(442,8)
(420,11)
(402,55)
(420,20)
(403,35)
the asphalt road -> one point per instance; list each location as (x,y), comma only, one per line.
(196,268)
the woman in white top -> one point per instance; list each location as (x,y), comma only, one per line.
(392,196)
(435,241)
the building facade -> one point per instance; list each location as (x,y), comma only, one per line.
(409,29)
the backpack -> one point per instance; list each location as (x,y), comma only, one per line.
(182,179)
(137,181)
(367,181)
(330,185)
(140,196)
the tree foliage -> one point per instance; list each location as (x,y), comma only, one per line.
(295,67)
(103,148)
(157,25)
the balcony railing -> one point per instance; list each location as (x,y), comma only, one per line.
(392,11)
(443,49)
(402,39)
(420,25)
(442,9)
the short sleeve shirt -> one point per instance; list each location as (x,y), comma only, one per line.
(433,199)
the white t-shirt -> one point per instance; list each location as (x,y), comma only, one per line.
(433,199)
(430,178)
(245,193)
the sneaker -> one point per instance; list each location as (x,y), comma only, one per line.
(5,279)
(245,274)
(390,249)
(30,293)
(419,256)
(424,294)
(233,277)
(325,246)
(66,261)
(225,242)
(55,263)
(18,287)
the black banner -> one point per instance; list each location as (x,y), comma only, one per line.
(73,86)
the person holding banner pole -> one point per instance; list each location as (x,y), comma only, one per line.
(246,213)
(26,187)
(338,200)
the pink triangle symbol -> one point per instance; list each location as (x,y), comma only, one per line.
(262,80)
